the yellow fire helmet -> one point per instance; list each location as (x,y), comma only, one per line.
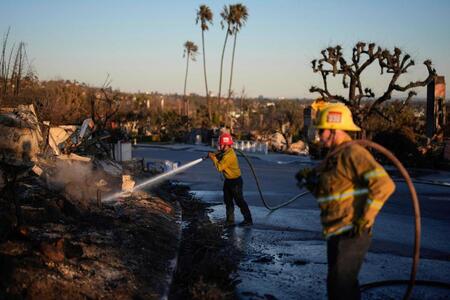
(336,116)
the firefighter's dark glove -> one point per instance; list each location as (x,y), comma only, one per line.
(302,174)
(211,155)
(361,226)
(308,178)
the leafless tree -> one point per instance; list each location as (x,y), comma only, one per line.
(364,55)
(12,67)
(4,65)
(289,119)
(105,105)
(17,73)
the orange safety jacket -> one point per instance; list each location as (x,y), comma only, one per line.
(228,165)
(352,186)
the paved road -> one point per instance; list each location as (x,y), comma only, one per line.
(284,251)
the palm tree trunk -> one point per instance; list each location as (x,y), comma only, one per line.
(206,81)
(185,83)
(221,64)
(242,112)
(232,64)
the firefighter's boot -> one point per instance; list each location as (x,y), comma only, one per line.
(230,217)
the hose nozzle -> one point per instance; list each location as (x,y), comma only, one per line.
(217,154)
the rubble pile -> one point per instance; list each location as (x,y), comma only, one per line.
(277,142)
(63,252)
(21,136)
(298,148)
(58,240)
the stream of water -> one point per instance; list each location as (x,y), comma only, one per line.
(154,180)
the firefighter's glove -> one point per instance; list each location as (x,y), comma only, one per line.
(211,155)
(308,178)
(361,226)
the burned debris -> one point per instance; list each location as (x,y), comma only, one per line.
(58,240)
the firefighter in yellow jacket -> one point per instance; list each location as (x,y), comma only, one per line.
(350,189)
(226,162)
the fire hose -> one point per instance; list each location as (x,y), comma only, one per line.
(415,202)
(266,204)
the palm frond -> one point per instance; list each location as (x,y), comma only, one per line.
(205,16)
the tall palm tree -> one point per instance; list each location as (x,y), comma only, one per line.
(226,19)
(205,16)
(190,52)
(239,15)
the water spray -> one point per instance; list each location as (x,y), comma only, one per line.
(155,179)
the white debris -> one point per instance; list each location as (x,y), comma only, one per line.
(277,142)
(73,156)
(85,129)
(57,136)
(37,170)
(127,184)
(21,135)
(299,148)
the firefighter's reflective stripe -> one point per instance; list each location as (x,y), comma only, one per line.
(339,231)
(343,195)
(345,186)
(377,173)
(374,204)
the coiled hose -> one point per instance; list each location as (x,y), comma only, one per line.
(415,202)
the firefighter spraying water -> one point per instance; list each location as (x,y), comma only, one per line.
(156,179)
(227,163)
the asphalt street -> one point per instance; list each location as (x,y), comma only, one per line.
(285,255)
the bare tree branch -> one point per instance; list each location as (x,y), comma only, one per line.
(394,87)
(364,55)
(327,96)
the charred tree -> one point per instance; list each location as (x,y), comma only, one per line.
(104,106)
(12,68)
(395,63)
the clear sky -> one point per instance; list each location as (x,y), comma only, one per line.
(140,43)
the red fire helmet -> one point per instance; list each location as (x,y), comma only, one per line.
(225,139)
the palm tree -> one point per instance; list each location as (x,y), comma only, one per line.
(205,16)
(190,52)
(239,15)
(226,19)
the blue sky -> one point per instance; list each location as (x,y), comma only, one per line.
(140,43)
